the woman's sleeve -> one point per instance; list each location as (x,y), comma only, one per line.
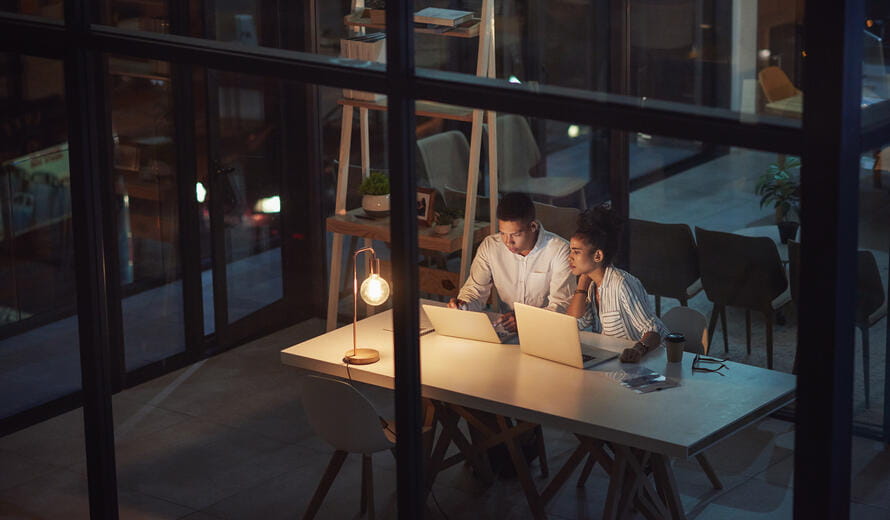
(635,301)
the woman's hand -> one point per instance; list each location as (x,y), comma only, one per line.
(584,282)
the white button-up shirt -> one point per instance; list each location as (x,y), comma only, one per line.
(541,279)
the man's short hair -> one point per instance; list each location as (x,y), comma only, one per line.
(516,207)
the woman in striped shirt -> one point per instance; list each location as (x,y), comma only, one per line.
(611,301)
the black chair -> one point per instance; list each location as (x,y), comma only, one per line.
(665,258)
(746,272)
(871,302)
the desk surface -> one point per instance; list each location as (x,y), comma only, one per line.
(678,422)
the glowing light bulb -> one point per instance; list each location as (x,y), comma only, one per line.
(200,193)
(374,290)
(574,131)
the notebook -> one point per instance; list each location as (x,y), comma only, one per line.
(467,324)
(554,336)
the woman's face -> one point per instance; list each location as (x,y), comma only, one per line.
(583,258)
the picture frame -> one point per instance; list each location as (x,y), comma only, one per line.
(426,204)
(127,157)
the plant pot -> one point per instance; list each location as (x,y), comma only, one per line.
(376,205)
(442,229)
(787,230)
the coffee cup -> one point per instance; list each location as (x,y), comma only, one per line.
(675,343)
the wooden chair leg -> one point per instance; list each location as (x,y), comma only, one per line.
(709,471)
(367,505)
(725,330)
(326,480)
(748,330)
(542,451)
(769,339)
(865,365)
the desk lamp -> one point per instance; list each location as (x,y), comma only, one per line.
(374,291)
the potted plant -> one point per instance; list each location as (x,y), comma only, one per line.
(375,194)
(780,186)
(444,219)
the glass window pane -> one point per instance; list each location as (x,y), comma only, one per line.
(146,208)
(742,57)
(47,8)
(39,355)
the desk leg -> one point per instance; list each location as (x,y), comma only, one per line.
(522,471)
(667,485)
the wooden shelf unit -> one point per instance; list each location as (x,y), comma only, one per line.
(348,223)
(468,29)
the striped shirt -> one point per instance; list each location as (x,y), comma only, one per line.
(625,311)
(540,279)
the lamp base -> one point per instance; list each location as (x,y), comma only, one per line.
(361,356)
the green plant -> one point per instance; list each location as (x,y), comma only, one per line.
(444,218)
(377,183)
(448,215)
(780,186)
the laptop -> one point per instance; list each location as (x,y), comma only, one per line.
(467,324)
(554,336)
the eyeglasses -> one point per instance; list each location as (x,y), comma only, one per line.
(707,364)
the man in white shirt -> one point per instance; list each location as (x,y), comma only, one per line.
(525,262)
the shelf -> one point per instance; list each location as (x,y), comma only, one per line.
(353,224)
(469,29)
(421,108)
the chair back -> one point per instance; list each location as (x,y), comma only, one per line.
(663,256)
(518,151)
(740,271)
(775,84)
(342,416)
(691,324)
(869,287)
(562,221)
(445,158)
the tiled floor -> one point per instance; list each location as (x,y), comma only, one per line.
(226,439)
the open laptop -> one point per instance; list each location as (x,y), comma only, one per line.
(554,336)
(467,324)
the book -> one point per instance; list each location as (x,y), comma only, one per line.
(365,47)
(440,16)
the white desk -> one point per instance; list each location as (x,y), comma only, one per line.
(678,422)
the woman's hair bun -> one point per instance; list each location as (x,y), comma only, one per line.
(601,227)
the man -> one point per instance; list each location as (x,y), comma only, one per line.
(525,262)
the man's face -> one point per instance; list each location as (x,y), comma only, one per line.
(518,236)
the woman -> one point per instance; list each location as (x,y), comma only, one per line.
(610,300)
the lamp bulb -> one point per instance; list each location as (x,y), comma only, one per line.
(374,290)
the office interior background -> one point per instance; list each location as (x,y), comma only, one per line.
(167,168)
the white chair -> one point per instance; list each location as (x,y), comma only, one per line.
(694,326)
(518,154)
(691,324)
(445,158)
(346,420)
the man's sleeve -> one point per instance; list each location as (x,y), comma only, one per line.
(477,288)
(562,282)
(635,301)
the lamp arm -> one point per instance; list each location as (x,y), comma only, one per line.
(355,289)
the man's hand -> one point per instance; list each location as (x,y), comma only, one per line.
(454,303)
(508,320)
